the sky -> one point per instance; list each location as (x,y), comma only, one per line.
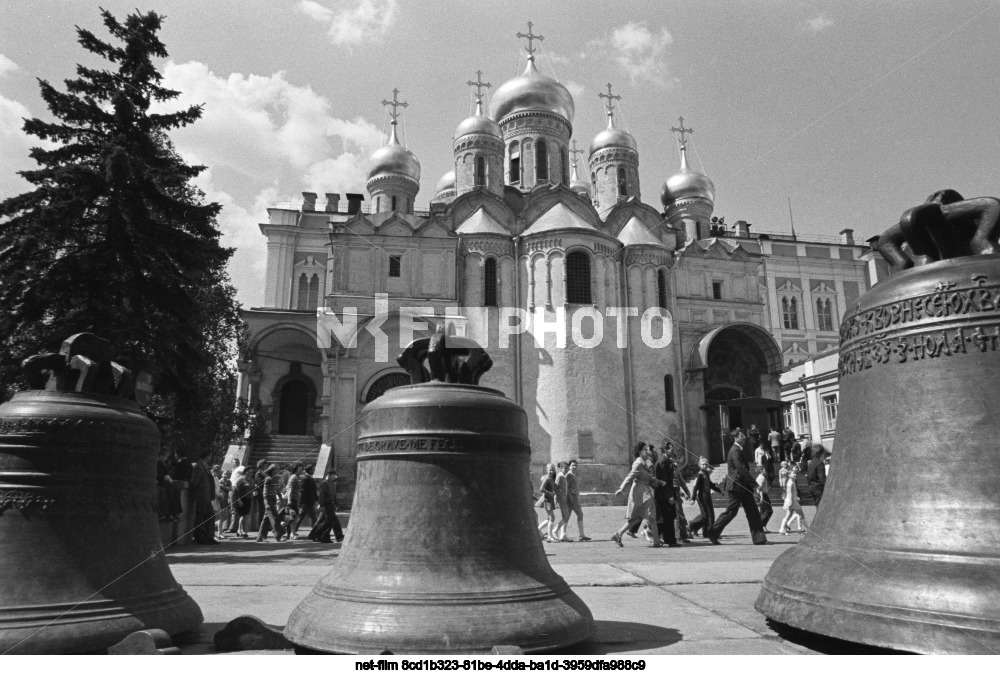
(848,112)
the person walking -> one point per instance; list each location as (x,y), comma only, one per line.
(664,496)
(242,502)
(763,500)
(793,509)
(573,497)
(203,493)
(223,487)
(328,520)
(702,495)
(817,473)
(293,492)
(740,487)
(270,519)
(562,500)
(640,483)
(308,498)
(548,502)
(683,529)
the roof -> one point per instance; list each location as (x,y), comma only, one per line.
(634,233)
(481,222)
(558,217)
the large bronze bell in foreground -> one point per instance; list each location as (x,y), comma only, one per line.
(81,561)
(442,554)
(904,551)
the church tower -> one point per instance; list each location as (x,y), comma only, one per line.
(535,114)
(478,147)
(688,197)
(614,162)
(394,179)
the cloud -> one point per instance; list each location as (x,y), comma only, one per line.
(353,21)
(639,51)
(6,66)
(266,140)
(557,58)
(14,146)
(575,89)
(818,24)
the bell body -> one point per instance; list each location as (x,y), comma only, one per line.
(442,554)
(904,551)
(81,561)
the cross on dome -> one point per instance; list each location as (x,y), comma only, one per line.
(479,85)
(395,103)
(682,131)
(575,152)
(531,38)
(611,101)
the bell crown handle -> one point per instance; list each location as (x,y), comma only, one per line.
(443,354)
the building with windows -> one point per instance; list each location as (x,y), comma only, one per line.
(688,323)
(811,391)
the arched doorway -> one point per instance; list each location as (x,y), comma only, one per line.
(737,361)
(293,411)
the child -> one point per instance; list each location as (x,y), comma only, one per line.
(792,507)
(763,500)
(783,476)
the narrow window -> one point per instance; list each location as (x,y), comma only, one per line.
(668,393)
(490,282)
(395,263)
(314,292)
(541,161)
(480,171)
(622,182)
(661,288)
(802,417)
(578,278)
(565,167)
(303,297)
(830,412)
(593,186)
(378,204)
(716,290)
(394,202)
(409,205)
(824,314)
(515,163)
(789,313)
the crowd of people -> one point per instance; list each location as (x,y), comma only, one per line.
(232,503)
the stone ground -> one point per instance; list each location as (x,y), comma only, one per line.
(697,599)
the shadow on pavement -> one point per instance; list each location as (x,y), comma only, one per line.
(622,637)
(827,645)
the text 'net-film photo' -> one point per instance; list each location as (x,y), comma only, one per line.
(260,394)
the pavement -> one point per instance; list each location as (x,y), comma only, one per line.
(696,599)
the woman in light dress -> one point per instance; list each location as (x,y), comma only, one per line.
(641,505)
(793,509)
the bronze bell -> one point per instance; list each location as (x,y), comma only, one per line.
(904,551)
(81,561)
(442,554)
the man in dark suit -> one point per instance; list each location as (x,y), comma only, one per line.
(664,495)
(740,485)
(817,473)
(202,493)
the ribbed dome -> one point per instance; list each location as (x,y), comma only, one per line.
(686,184)
(447,183)
(478,123)
(612,137)
(393,158)
(532,90)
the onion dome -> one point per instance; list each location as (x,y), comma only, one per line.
(479,124)
(533,91)
(612,137)
(446,186)
(394,159)
(686,184)
(578,185)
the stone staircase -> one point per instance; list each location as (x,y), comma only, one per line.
(286,449)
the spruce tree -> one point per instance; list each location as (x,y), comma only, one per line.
(114,239)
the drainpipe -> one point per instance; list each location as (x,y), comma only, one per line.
(627,357)
(518,397)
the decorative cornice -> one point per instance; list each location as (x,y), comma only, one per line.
(387,177)
(26,500)
(475,140)
(81,429)
(617,155)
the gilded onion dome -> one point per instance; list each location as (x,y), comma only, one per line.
(612,137)
(686,184)
(394,159)
(478,124)
(446,186)
(578,185)
(531,91)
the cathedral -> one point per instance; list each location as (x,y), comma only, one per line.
(680,325)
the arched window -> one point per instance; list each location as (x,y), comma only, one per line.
(490,282)
(303,298)
(541,161)
(394,202)
(668,393)
(622,182)
(378,204)
(314,293)
(578,278)
(565,167)
(789,313)
(661,288)
(824,314)
(515,163)
(480,171)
